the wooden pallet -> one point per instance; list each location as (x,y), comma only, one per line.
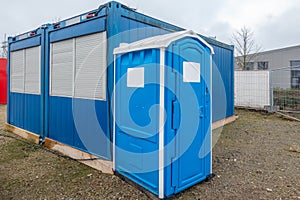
(90,160)
(104,166)
(32,137)
(224,122)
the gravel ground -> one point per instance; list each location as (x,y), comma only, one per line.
(257,157)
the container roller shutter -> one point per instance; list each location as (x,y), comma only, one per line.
(90,67)
(62,62)
(78,67)
(17,67)
(32,70)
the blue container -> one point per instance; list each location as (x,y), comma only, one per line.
(66,110)
(26,66)
(222,81)
(85,122)
(163,81)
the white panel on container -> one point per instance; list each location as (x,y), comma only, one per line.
(17,67)
(32,70)
(90,68)
(135,77)
(62,54)
(191,72)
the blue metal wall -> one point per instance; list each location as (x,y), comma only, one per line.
(26,110)
(65,115)
(222,83)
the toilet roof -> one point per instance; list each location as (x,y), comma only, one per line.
(161,41)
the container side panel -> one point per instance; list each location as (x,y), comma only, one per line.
(90,133)
(83,28)
(61,125)
(222,84)
(25,99)
(32,112)
(17,109)
(80,123)
(75,117)
(27,43)
(134,30)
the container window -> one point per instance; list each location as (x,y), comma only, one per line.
(191,72)
(25,70)
(90,67)
(32,70)
(78,67)
(17,67)
(135,77)
(62,63)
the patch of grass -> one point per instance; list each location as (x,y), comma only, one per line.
(16,150)
(69,169)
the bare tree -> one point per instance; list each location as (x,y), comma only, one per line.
(245,48)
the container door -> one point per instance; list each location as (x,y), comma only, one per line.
(137,118)
(191,62)
(25,91)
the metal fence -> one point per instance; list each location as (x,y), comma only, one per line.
(285,86)
(276,90)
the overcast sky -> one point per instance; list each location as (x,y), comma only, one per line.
(275,23)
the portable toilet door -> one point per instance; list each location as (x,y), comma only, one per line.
(162,112)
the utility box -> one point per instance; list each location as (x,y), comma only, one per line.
(162,108)
(3,81)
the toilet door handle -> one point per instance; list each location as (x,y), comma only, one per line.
(201,111)
(176,115)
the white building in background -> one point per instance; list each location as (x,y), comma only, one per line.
(288,58)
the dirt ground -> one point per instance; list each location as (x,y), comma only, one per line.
(256,157)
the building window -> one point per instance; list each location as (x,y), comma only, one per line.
(250,66)
(295,74)
(262,65)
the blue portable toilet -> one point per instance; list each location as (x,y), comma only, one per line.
(162,112)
